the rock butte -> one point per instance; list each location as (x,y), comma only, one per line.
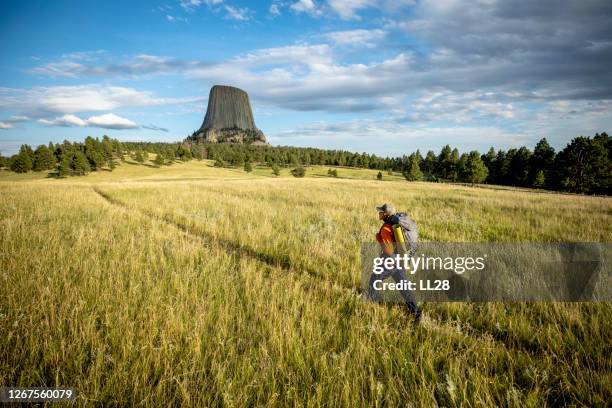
(229,118)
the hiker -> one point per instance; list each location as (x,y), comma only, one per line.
(386,239)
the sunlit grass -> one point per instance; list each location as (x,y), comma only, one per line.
(196,285)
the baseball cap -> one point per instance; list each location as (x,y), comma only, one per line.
(386,208)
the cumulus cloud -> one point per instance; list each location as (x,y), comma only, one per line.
(347,9)
(490,61)
(142,64)
(237,13)
(106,121)
(306,6)
(393,139)
(274,9)
(12,121)
(359,37)
(40,101)
(216,6)
(189,5)
(555,49)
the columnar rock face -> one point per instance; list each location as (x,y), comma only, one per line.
(229,118)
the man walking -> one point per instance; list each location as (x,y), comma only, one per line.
(386,239)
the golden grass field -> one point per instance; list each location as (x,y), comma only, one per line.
(194,285)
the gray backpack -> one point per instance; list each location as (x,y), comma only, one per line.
(409,229)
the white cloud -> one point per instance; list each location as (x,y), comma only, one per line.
(310,55)
(174,19)
(306,6)
(274,10)
(192,4)
(237,13)
(111,121)
(106,121)
(10,122)
(136,66)
(81,98)
(359,37)
(347,9)
(66,120)
(394,139)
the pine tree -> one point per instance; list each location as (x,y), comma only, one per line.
(138,157)
(474,169)
(414,171)
(275,170)
(248,167)
(542,159)
(379,176)
(21,163)
(159,159)
(80,165)
(540,179)
(298,172)
(429,164)
(65,166)
(44,158)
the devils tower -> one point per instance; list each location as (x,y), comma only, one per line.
(229,118)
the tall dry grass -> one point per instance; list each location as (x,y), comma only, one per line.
(222,292)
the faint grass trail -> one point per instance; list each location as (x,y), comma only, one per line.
(449,328)
(240,250)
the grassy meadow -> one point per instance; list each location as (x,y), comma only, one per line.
(195,285)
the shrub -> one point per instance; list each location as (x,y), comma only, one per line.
(298,172)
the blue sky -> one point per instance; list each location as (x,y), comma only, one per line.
(381,76)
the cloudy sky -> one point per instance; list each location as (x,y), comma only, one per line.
(379,76)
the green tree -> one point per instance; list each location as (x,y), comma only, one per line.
(21,163)
(44,158)
(197,153)
(96,159)
(65,166)
(474,169)
(428,166)
(219,163)
(248,167)
(584,166)
(332,172)
(379,176)
(138,157)
(275,170)
(462,167)
(159,159)
(298,172)
(539,180)
(444,162)
(542,160)
(518,166)
(80,164)
(414,171)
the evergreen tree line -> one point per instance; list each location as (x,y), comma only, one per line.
(66,158)
(583,166)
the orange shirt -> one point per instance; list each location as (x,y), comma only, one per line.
(386,239)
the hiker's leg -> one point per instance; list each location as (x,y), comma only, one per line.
(398,276)
(373,293)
